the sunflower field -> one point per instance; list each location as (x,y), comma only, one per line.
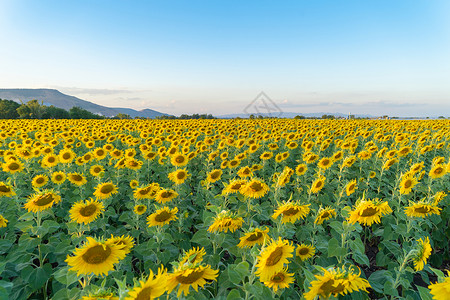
(224,209)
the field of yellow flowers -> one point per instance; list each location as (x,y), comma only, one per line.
(224,209)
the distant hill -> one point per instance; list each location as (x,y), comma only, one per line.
(292,115)
(58,99)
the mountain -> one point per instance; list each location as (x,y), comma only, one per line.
(292,115)
(58,99)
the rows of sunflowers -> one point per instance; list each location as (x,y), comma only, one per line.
(224,209)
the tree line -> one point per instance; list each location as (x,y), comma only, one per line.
(34,110)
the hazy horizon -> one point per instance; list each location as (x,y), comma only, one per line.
(378,58)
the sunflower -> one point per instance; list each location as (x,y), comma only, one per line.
(272,258)
(66,156)
(96,257)
(162,216)
(437,197)
(126,241)
(12,166)
(406,185)
(423,252)
(389,163)
(178,176)
(58,177)
(416,167)
(99,153)
(291,212)
(146,192)
(3,221)
(301,169)
(86,212)
(39,181)
(367,211)
(214,175)
(105,190)
(193,256)
(318,184)
(349,161)
(254,188)
(422,209)
(304,251)
(77,179)
(152,288)
(225,221)
(437,171)
(41,201)
(266,155)
(245,172)
(337,156)
(234,186)
(6,190)
(325,163)
(50,160)
(324,214)
(335,281)
(186,276)
(179,160)
(134,184)
(351,187)
(254,237)
(133,164)
(163,196)
(441,290)
(140,209)
(96,170)
(280,280)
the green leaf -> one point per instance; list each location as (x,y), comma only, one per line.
(424,293)
(357,246)
(438,273)
(5,289)
(39,276)
(378,278)
(201,237)
(234,295)
(64,276)
(334,249)
(361,259)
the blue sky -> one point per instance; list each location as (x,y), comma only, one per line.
(377,57)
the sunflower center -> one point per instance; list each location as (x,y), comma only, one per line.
(408,183)
(77,177)
(51,159)
(274,257)
(319,184)
(325,215)
(145,293)
(179,159)
(44,200)
(14,166)
(368,212)
(422,209)
(181,175)
(279,277)
(106,189)
(97,254)
(303,251)
(215,175)
(40,180)
(325,162)
(58,177)
(100,152)
(88,210)
(291,211)
(351,187)
(66,155)
(140,208)
(330,287)
(97,170)
(5,189)
(254,237)
(191,278)
(256,186)
(236,186)
(163,216)
(438,171)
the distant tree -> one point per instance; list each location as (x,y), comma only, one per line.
(122,116)
(80,113)
(299,117)
(8,109)
(441,117)
(53,112)
(31,110)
